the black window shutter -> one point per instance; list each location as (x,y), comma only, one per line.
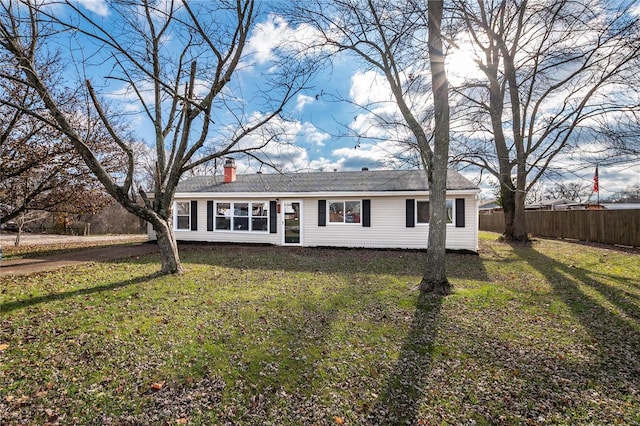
(411,213)
(459,212)
(322,212)
(194,215)
(273,217)
(209,215)
(366,213)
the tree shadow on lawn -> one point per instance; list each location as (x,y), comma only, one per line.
(615,335)
(307,362)
(330,260)
(300,366)
(566,281)
(399,402)
(277,376)
(52,297)
(303,368)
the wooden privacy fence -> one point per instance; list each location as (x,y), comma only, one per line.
(602,226)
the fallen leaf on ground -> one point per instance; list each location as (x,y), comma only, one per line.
(51,414)
(157,385)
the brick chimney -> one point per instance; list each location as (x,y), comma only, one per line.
(229,170)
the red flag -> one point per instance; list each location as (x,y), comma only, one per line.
(596,188)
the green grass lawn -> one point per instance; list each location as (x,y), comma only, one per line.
(261,335)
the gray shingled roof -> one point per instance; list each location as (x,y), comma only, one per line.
(359,181)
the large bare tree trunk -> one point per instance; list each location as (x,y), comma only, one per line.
(519,232)
(435,276)
(512,198)
(508,203)
(515,225)
(168,248)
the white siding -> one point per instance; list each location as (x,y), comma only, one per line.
(388,226)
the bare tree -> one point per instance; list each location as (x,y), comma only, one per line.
(558,78)
(175,62)
(630,194)
(435,278)
(575,191)
(39,169)
(390,38)
(24,219)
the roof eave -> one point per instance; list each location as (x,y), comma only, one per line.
(318,194)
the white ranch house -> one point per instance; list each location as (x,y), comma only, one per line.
(372,209)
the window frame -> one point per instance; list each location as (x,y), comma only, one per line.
(264,217)
(417,211)
(178,215)
(240,216)
(225,215)
(450,212)
(344,216)
(230,214)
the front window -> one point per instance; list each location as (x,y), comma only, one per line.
(223,216)
(183,215)
(422,211)
(344,212)
(242,216)
(259,216)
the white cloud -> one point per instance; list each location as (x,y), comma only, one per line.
(368,125)
(369,87)
(323,164)
(385,154)
(311,134)
(381,119)
(130,99)
(266,37)
(275,33)
(98,7)
(616,178)
(288,150)
(303,100)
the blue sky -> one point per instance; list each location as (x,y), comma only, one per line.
(318,120)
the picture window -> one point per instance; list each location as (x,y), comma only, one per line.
(183,215)
(242,216)
(344,211)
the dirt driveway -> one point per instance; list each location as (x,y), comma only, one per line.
(130,246)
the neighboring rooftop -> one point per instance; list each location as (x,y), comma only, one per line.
(358,181)
(489,204)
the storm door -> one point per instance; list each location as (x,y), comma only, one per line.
(292,222)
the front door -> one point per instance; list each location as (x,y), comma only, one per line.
(292,222)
